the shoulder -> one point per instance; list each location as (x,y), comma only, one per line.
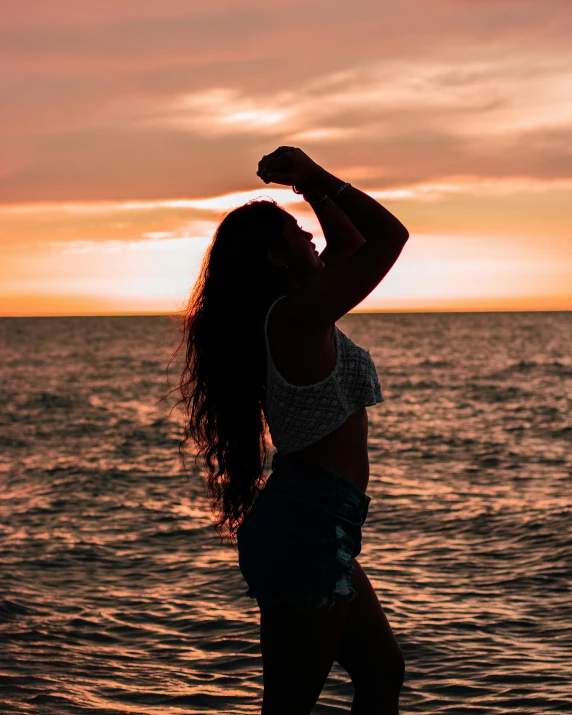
(287,318)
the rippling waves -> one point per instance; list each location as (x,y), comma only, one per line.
(116,595)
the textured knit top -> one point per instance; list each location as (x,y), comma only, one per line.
(299,415)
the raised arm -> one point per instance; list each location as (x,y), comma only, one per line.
(356,227)
(350,217)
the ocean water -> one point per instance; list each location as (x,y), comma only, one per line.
(116,595)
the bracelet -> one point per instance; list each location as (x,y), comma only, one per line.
(342,187)
(319,201)
(325,196)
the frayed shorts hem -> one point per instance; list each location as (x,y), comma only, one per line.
(298,542)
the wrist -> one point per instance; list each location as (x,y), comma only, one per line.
(330,184)
(322,182)
(312,187)
(312,194)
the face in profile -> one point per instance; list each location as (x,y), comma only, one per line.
(303,259)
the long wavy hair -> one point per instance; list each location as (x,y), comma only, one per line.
(222,380)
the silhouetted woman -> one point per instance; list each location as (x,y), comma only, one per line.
(263,350)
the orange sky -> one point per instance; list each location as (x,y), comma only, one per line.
(129,127)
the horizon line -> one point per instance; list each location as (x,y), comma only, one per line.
(147,314)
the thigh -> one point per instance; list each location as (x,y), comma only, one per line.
(298,650)
(368,650)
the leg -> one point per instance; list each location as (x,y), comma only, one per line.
(298,650)
(370,653)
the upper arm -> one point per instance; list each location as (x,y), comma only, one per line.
(342,285)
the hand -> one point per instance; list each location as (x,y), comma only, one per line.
(290,166)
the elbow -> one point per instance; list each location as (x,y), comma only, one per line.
(400,239)
(400,233)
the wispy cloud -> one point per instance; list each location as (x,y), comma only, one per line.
(141,100)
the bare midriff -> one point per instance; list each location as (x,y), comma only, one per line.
(305,359)
(344,451)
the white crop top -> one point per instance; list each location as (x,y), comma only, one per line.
(299,415)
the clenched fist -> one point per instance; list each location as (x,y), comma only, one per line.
(289,166)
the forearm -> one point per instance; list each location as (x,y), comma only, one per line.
(340,233)
(368,216)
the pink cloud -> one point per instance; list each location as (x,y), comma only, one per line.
(82,83)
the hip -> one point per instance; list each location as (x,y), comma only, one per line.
(301,495)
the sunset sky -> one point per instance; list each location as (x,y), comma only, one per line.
(129,127)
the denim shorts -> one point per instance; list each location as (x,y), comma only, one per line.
(297,544)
